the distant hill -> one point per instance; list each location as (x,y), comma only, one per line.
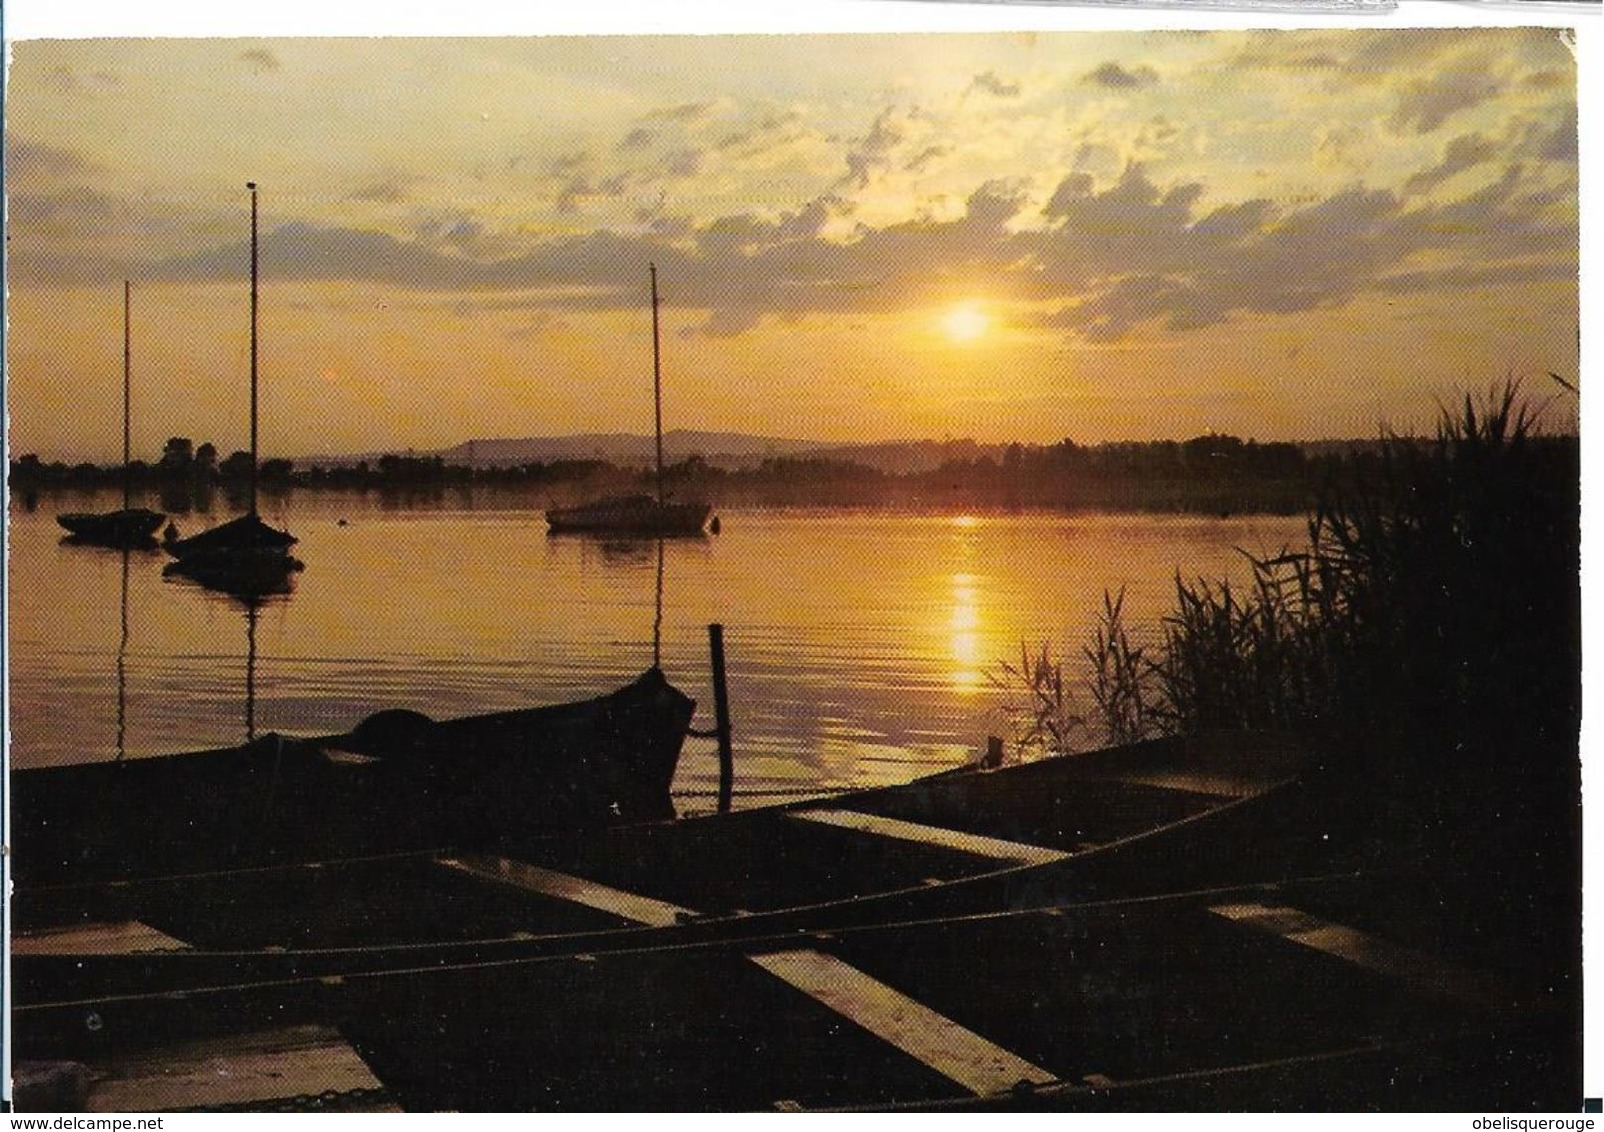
(722,449)
(731,450)
(905,457)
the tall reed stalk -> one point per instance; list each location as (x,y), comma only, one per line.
(1120,676)
(1038,704)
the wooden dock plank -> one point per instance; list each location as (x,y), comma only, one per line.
(250,1069)
(1212,785)
(124,937)
(912,1027)
(1419,970)
(957,1053)
(562,886)
(975,843)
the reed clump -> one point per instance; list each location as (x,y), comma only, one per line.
(1432,623)
(1426,647)
(1121,677)
(1438,601)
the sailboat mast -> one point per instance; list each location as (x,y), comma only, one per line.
(251,185)
(657,382)
(127,399)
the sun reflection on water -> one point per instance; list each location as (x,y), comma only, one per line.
(964,642)
(964,628)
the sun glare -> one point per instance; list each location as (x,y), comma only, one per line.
(965,636)
(965,321)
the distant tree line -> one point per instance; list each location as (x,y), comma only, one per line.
(1213,473)
(181,463)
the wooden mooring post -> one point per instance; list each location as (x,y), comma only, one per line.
(721,718)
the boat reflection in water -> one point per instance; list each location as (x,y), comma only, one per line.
(632,553)
(250,596)
(253,610)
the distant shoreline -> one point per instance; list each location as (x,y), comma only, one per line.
(1219,475)
(1206,475)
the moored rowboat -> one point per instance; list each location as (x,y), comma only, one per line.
(398,781)
(1309,993)
(1166,926)
(1318,993)
(1131,820)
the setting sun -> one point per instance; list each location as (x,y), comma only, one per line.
(965,321)
(909,214)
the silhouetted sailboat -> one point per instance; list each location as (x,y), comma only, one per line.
(129,526)
(647,515)
(244,556)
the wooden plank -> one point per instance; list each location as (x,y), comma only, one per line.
(124,937)
(250,1069)
(980,846)
(955,1052)
(1212,785)
(909,1025)
(562,886)
(1419,970)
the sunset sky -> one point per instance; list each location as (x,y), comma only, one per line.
(1099,235)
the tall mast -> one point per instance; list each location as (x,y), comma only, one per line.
(127,398)
(657,383)
(251,185)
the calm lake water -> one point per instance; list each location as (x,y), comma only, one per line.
(859,643)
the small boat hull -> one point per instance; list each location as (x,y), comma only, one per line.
(129,527)
(1124,822)
(397,782)
(246,533)
(641,516)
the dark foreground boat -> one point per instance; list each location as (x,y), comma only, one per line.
(396,782)
(1318,994)
(1139,819)
(1173,926)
